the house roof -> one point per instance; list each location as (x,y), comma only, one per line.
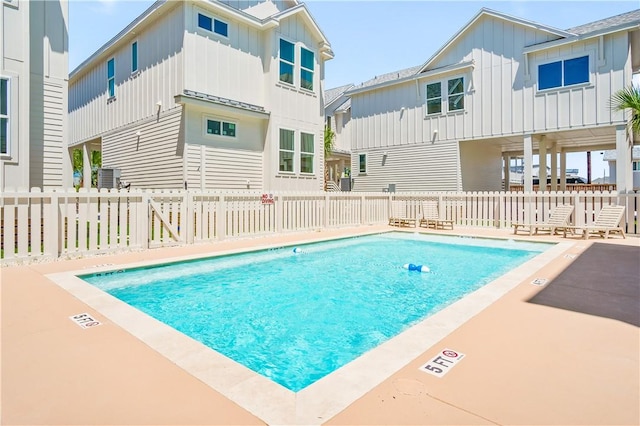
(344,106)
(611,22)
(192,94)
(610,155)
(331,95)
(158,7)
(563,36)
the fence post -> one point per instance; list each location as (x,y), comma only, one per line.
(580,214)
(221,218)
(363,219)
(187,213)
(327,204)
(143,221)
(52,230)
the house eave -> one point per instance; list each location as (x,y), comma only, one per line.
(419,76)
(203,101)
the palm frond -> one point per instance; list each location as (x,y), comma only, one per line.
(628,98)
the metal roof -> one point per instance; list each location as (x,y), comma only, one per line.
(223,101)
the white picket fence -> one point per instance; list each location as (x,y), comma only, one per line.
(64,223)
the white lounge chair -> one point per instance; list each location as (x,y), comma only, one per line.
(399,216)
(431,216)
(607,222)
(558,220)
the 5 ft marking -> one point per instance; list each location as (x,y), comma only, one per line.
(442,363)
(85,320)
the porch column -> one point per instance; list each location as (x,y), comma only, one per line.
(506,161)
(554,166)
(86,166)
(563,170)
(542,162)
(341,171)
(624,173)
(528,163)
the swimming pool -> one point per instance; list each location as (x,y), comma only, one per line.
(297,317)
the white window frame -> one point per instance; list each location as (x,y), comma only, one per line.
(303,68)
(444,96)
(589,53)
(312,153)
(109,79)
(293,152)
(427,99)
(293,64)
(7,116)
(213,24)
(137,57)
(360,171)
(222,122)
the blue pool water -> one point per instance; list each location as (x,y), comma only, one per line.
(296,317)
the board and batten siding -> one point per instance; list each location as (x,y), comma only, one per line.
(159,79)
(152,160)
(229,67)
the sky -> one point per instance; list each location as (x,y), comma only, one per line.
(368,38)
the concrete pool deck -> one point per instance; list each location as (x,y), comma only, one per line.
(525,363)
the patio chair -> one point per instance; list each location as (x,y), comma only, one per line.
(607,222)
(558,220)
(399,216)
(431,216)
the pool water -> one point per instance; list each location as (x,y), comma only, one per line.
(296,317)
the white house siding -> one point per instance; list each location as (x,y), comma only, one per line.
(294,109)
(230,67)
(480,166)
(220,162)
(152,160)
(137,95)
(342,127)
(415,167)
(34,55)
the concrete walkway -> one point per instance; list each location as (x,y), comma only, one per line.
(525,363)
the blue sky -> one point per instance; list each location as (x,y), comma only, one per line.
(368,38)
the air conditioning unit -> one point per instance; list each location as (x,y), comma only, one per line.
(108,178)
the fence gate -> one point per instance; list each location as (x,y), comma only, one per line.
(166,220)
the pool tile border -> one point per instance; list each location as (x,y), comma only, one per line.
(268,400)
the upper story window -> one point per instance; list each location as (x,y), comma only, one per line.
(111,77)
(306,152)
(4,115)
(134,57)
(214,25)
(563,73)
(286,150)
(307,61)
(362,163)
(221,128)
(455,96)
(287,61)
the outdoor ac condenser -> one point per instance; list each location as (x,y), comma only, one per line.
(108,178)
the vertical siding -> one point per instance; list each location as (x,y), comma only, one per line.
(152,160)
(159,79)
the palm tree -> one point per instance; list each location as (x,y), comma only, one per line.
(628,98)
(329,141)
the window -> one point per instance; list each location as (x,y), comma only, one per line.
(111,77)
(306,68)
(434,98)
(286,150)
(363,163)
(287,61)
(636,166)
(456,94)
(221,128)
(4,115)
(214,25)
(306,153)
(563,73)
(134,57)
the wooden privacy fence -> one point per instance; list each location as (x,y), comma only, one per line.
(64,223)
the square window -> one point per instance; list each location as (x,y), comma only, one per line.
(287,51)
(549,75)
(205,22)
(221,28)
(456,94)
(213,127)
(229,129)
(286,150)
(576,71)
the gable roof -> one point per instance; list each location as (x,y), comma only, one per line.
(331,95)
(488,12)
(395,76)
(344,107)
